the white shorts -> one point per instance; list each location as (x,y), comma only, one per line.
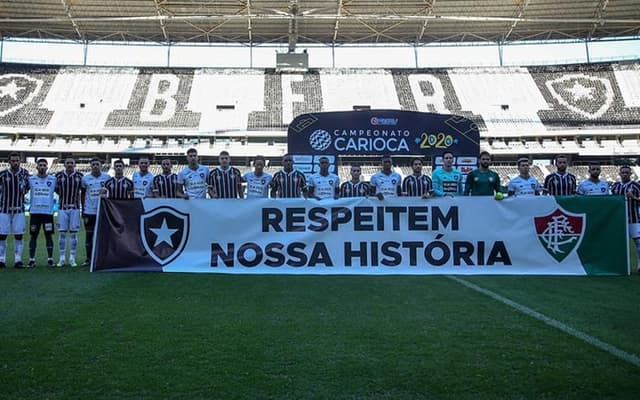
(12,224)
(634,231)
(69,220)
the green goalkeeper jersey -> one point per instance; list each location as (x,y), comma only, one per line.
(481,183)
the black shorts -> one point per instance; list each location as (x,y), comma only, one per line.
(41,220)
(89,222)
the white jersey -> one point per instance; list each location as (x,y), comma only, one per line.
(524,187)
(386,184)
(257,186)
(142,185)
(591,188)
(324,187)
(42,194)
(194,181)
(93,186)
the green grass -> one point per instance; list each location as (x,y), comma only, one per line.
(70,334)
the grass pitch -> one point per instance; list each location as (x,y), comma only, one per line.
(71,334)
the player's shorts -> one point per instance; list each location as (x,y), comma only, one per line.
(41,220)
(69,220)
(89,221)
(634,231)
(12,224)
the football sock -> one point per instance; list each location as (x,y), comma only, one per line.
(18,253)
(74,244)
(3,249)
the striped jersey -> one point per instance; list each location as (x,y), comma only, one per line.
(41,191)
(560,184)
(355,189)
(68,188)
(13,187)
(225,182)
(257,186)
(194,181)
(93,186)
(622,188)
(416,185)
(166,186)
(288,184)
(119,188)
(142,185)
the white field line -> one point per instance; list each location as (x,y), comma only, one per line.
(630,358)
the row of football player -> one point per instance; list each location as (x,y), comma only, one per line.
(81,192)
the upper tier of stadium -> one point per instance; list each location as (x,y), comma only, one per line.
(318,21)
(582,109)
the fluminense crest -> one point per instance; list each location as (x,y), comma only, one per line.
(560,232)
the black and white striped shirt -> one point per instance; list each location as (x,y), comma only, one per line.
(13,187)
(633,187)
(355,189)
(288,185)
(416,186)
(560,184)
(68,188)
(166,186)
(119,188)
(224,182)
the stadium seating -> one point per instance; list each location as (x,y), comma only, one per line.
(582,110)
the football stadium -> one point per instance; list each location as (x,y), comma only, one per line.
(131,131)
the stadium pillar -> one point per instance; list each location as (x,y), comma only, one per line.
(333,55)
(586,47)
(168,54)
(85,50)
(500,49)
(1,48)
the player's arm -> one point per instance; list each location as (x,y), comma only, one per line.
(438,188)
(343,188)
(399,188)
(130,191)
(546,186)
(496,184)
(274,187)
(239,181)
(105,192)
(155,187)
(511,189)
(336,189)
(428,189)
(180,191)
(210,185)
(460,192)
(469,184)
(83,193)
(539,189)
(303,186)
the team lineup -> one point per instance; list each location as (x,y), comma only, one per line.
(79,194)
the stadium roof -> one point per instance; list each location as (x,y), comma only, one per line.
(318,21)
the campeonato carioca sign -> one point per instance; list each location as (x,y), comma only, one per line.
(539,235)
(382,132)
